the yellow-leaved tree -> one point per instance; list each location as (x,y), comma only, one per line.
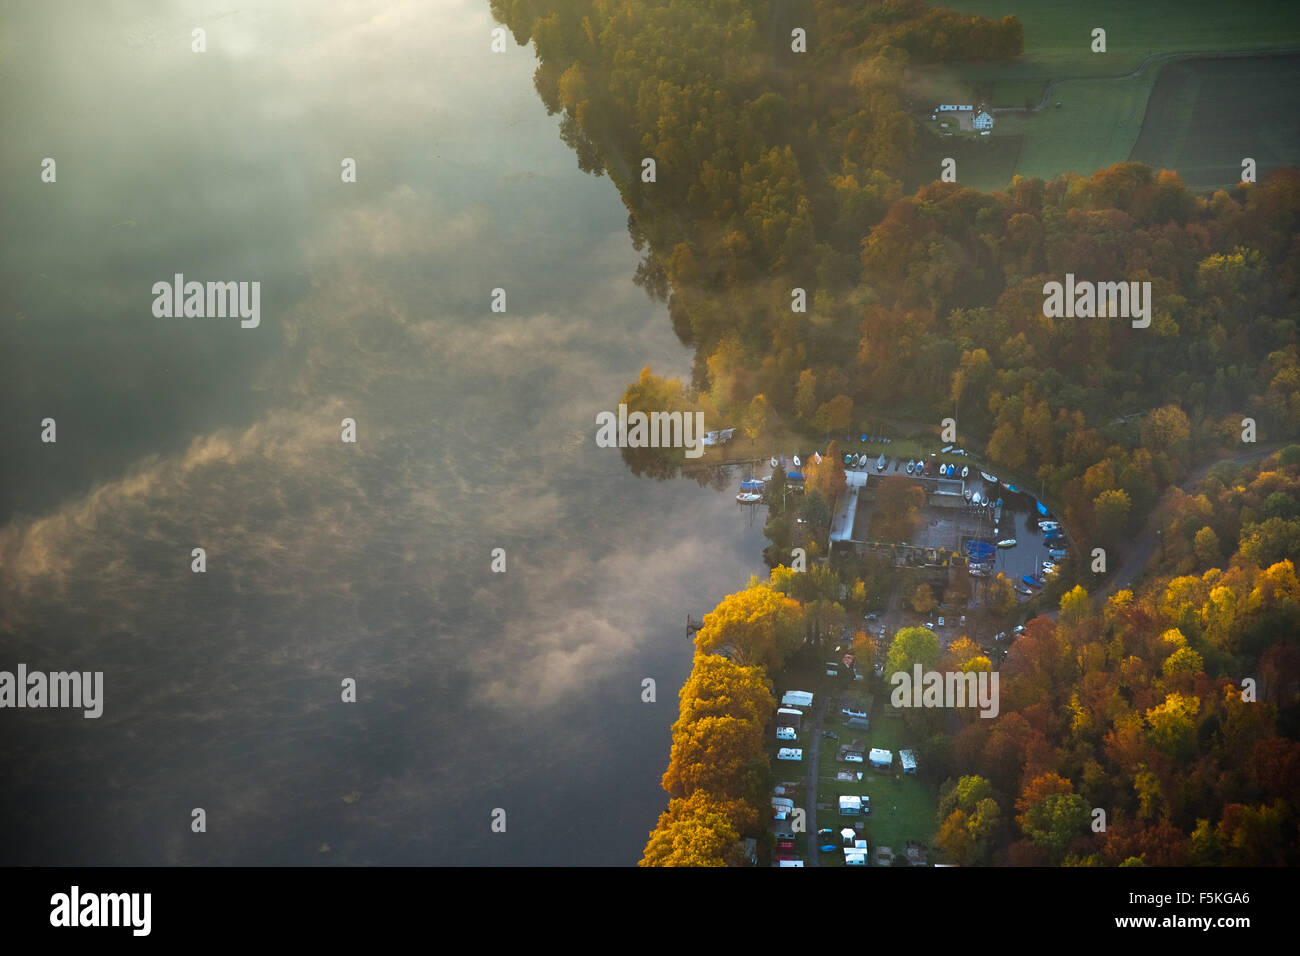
(756,626)
(700,830)
(719,687)
(720,754)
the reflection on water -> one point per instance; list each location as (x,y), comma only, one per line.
(328,560)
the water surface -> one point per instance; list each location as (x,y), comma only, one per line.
(477,691)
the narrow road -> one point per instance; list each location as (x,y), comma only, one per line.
(810,797)
(1139,553)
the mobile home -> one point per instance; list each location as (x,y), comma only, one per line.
(908,760)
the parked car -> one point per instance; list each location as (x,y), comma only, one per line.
(940,622)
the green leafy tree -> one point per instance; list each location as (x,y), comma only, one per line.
(805,394)
(1171,726)
(1000,595)
(1074,605)
(912,645)
(1055,821)
(1206,547)
(1111,511)
(815,512)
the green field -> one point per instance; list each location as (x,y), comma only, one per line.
(1102,104)
(1205,115)
(1058,33)
(984,163)
(1097,124)
(903,807)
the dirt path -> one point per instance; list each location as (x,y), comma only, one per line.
(810,799)
(1144,545)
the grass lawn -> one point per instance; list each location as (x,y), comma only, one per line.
(1058,33)
(1194,96)
(1103,108)
(985,163)
(1097,124)
(903,807)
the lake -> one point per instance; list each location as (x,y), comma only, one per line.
(327,560)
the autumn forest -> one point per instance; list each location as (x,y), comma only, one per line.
(776,171)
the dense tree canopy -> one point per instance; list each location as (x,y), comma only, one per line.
(931,304)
